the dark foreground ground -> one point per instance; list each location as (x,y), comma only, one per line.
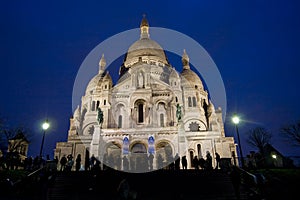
(161,184)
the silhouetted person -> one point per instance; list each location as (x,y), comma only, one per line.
(36,162)
(145,163)
(132,163)
(160,161)
(56,160)
(125,163)
(118,162)
(78,162)
(201,163)
(150,159)
(92,161)
(208,161)
(63,162)
(87,161)
(218,159)
(70,163)
(97,165)
(236,180)
(184,162)
(177,162)
(172,165)
(196,162)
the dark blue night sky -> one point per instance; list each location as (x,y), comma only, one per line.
(254,43)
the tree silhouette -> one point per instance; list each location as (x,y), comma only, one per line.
(292,131)
(259,137)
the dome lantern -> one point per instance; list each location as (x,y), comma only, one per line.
(144,48)
(185,60)
(144,28)
(102,64)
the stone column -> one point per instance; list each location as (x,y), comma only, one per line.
(182,143)
(96,141)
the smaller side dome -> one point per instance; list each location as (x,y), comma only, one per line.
(190,79)
(107,77)
(97,81)
(174,74)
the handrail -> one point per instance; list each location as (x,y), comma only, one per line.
(251,182)
(28,175)
(34,183)
(249,175)
(34,172)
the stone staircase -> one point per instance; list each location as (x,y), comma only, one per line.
(161,184)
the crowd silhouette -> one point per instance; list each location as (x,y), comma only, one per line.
(142,162)
(139,162)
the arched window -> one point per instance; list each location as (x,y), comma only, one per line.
(140,113)
(190,101)
(93,105)
(120,121)
(98,104)
(104,102)
(191,158)
(199,150)
(161,118)
(176,99)
(194,102)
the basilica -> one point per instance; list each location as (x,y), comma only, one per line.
(152,115)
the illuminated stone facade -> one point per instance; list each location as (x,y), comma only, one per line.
(140,112)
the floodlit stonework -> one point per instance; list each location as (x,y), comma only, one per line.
(152,109)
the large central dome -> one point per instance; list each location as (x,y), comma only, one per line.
(145,48)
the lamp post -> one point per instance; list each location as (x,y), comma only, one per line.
(236,120)
(45,126)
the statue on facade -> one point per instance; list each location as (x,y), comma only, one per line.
(140,80)
(178,112)
(100,116)
(76,118)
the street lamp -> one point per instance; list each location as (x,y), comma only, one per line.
(236,120)
(45,126)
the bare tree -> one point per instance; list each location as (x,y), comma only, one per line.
(292,131)
(259,137)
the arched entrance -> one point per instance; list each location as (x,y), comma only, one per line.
(164,151)
(113,153)
(138,158)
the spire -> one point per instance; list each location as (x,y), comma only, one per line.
(185,60)
(102,64)
(144,28)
